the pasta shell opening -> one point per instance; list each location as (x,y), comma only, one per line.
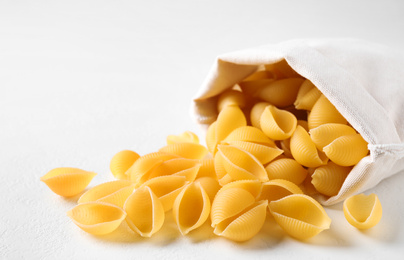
(277,189)
(363,211)
(277,124)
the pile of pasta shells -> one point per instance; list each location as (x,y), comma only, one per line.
(276,142)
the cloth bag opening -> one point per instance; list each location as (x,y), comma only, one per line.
(363,80)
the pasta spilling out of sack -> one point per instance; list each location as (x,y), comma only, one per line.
(363,211)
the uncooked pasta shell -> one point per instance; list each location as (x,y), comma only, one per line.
(277,124)
(261,74)
(323,135)
(252,186)
(263,153)
(191,208)
(363,211)
(253,87)
(145,212)
(207,168)
(256,112)
(229,203)
(178,166)
(229,119)
(324,112)
(287,169)
(307,96)
(97,218)
(304,151)
(277,189)
(249,134)
(67,181)
(211,141)
(282,69)
(347,150)
(231,97)
(210,185)
(300,216)
(186,137)
(102,190)
(121,162)
(186,150)
(281,93)
(245,225)
(328,179)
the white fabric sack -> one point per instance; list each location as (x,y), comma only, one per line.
(364,81)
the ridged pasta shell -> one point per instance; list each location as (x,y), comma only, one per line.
(263,153)
(347,150)
(241,165)
(282,69)
(186,137)
(230,97)
(287,169)
(281,93)
(102,190)
(304,151)
(97,218)
(252,186)
(207,168)
(229,119)
(307,96)
(191,208)
(167,188)
(229,203)
(324,112)
(323,135)
(186,150)
(363,211)
(249,134)
(277,189)
(67,181)
(245,225)
(256,112)
(211,141)
(329,178)
(210,185)
(145,212)
(178,166)
(121,162)
(253,87)
(277,124)
(300,216)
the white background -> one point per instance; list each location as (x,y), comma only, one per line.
(82,80)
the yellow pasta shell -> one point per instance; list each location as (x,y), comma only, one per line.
(178,166)
(145,212)
(328,179)
(191,208)
(252,186)
(121,162)
(282,69)
(277,124)
(229,119)
(102,190)
(229,203)
(281,93)
(287,169)
(256,112)
(167,188)
(323,135)
(307,96)
(207,168)
(324,112)
(263,153)
(219,167)
(97,218)
(304,151)
(230,97)
(186,137)
(277,189)
(67,181)
(347,150)
(300,216)
(118,198)
(186,150)
(241,165)
(262,74)
(245,225)
(210,185)
(363,211)
(253,87)
(249,134)
(211,141)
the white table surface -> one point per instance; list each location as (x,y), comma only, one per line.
(82,80)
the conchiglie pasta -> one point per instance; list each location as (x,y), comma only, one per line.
(363,211)
(231,97)
(282,69)
(287,169)
(253,87)
(67,181)
(249,134)
(307,96)
(178,166)
(229,119)
(324,112)
(210,186)
(121,162)
(277,189)
(277,124)
(186,137)
(211,141)
(252,186)
(256,112)
(97,218)
(261,74)
(207,168)
(324,134)
(186,150)
(300,216)
(347,150)
(103,190)
(281,93)
(329,178)
(263,153)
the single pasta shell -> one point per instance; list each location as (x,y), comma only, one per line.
(256,112)
(249,134)
(253,87)
(231,97)
(167,188)
(262,74)
(305,88)
(347,150)
(186,137)
(210,186)
(229,119)
(211,141)
(307,96)
(252,186)
(207,168)
(363,211)
(186,150)
(97,218)
(145,212)
(281,93)
(241,165)
(301,216)
(304,151)
(287,169)
(102,190)
(194,197)
(277,189)
(323,135)
(121,162)
(328,179)
(67,181)
(324,112)
(263,153)
(177,166)
(243,226)
(277,124)
(229,203)
(282,69)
